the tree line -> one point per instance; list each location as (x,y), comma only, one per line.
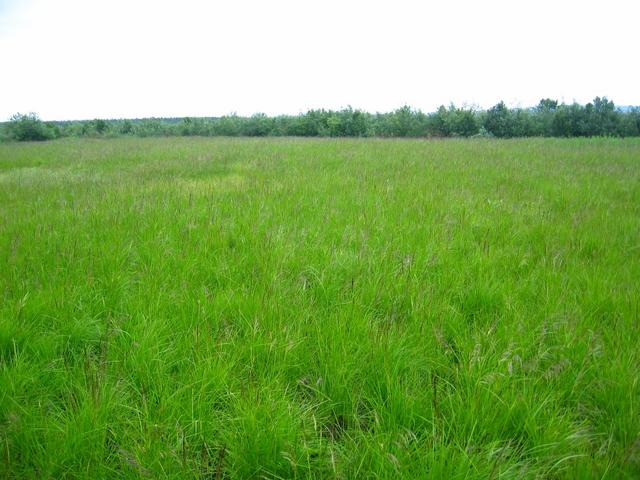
(548,119)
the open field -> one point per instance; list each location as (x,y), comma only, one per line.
(286,308)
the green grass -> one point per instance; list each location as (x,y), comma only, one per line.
(282,308)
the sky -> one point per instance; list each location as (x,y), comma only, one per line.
(83,59)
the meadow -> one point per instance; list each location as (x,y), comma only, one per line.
(320,308)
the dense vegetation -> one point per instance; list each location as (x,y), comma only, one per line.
(548,119)
(320,308)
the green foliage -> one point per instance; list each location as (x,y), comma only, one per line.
(29,127)
(94,128)
(153,127)
(403,122)
(499,121)
(629,124)
(348,123)
(125,127)
(543,117)
(453,122)
(259,125)
(547,119)
(603,118)
(599,118)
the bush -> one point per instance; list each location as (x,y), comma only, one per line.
(498,121)
(403,122)
(454,122)
(26,128)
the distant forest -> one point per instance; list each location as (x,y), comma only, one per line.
(548,119)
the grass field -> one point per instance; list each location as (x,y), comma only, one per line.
(283,308)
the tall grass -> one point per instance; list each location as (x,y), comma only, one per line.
(281,308)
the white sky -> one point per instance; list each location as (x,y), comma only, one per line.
(78,59)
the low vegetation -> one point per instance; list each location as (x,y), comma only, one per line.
(547,119)
(320,308)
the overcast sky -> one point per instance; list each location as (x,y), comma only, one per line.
(80,59)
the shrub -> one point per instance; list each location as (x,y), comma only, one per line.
(29,127)
(498,121)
